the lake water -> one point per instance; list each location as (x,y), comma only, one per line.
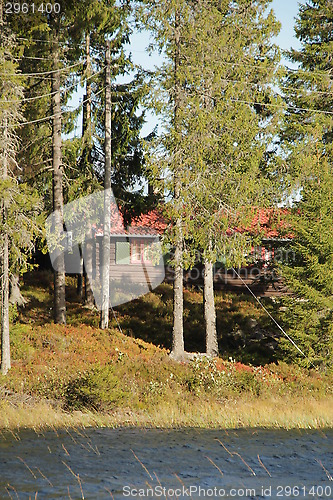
(132,463)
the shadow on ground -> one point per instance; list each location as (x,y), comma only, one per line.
(244,330)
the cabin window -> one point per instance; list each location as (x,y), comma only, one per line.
(122,252)
(140,252)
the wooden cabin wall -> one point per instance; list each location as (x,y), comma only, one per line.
(257,280)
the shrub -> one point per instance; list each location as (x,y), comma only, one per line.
(246,381)
(205,376)
(98,389)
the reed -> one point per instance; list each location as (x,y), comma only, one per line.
(243,412)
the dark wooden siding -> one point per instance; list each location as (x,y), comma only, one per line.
(136,273)
(259,281)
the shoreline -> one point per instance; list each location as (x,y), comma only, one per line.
(276,413)
(77,375)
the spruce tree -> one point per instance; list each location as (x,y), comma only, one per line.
(231,67)
(168,22)
(217,83)
(81,161)
(308,142)
(19,206)
(45,38)
(100,21)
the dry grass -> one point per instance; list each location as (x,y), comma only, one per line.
(286,413)
(244,412)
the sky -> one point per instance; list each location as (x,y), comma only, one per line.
(285,10)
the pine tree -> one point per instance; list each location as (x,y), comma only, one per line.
(308,141)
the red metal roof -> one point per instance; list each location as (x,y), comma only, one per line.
(149,224)
(270,223)
(267,222)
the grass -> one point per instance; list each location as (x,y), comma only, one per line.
(79,375)
(286,413)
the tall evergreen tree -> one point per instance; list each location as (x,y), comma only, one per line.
(100,21)
(217,81)
(111,20)
(18,205)
(47,33)
(231,67)
(308,142)
(79,163)
(168,22)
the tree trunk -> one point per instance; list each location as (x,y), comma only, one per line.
(89,297)
(212,347)
(104,322)
(5,340)
(79,285)
(4,254)
(15,296)
(59,273)
(178,302)
(86,133)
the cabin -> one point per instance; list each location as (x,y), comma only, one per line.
(133,258)
(135,252)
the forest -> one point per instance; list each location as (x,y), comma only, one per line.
(238,130)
